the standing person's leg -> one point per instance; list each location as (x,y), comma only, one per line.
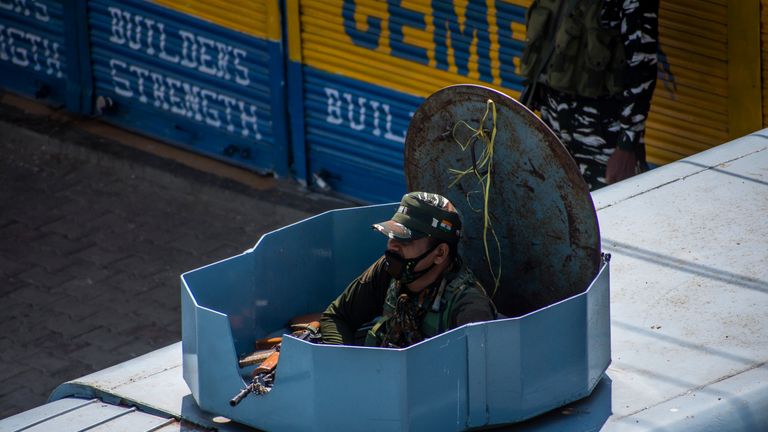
(629,158)
(594,140)
(637,122)
(588,135)
(557,110)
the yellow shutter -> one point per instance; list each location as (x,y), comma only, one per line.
(256,18)
(712,95)
(764,57)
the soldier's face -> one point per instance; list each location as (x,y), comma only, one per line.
(411,249)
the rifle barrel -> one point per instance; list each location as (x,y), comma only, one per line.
(241,395)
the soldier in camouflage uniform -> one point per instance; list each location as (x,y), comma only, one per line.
(418,289)
(595,90)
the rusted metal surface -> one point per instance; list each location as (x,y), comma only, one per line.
(539,206)
(689,327)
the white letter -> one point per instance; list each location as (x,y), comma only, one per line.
(187,40)
(229,102)
(136,42)
(163,55)
(241,72)
(245,119)
(34,39)
(211,114)
(140,73)
(52,61)
(389,135)
(206,66)
(150,35)
(42,12)
(192,101)
(361,104)
(3,44)
(158,90)
(334,106)
(118,26)
(223,60)
(175,101)
(375,106)
(18,54)
(122,85)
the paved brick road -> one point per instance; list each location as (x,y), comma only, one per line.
(93,238)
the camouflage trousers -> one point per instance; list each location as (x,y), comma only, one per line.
(592,128)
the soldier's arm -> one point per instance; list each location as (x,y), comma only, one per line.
(473,306)
(360,303)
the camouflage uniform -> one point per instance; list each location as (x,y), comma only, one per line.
(380,309)
(592,128)
(364,309)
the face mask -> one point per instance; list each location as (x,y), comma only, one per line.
(402,269)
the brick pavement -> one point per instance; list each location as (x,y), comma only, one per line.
(93,237)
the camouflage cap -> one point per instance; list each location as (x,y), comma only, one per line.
(423,214)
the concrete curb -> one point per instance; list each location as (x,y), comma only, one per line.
(36,129)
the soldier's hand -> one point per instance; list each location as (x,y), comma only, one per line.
(621,165)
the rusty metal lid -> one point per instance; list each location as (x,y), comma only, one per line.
(539,207)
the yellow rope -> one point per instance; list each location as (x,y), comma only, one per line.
(485,161)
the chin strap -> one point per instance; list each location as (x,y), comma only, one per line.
(418,274)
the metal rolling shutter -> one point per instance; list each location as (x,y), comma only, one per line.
(358,70)
(40,51)
(256,18)
(202,86)
(689,111)
(764,57)
(710,96)
(348,59)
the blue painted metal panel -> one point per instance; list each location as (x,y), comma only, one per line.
(480,374)
(689,331)
(355,134)
(195,84)
(35,55)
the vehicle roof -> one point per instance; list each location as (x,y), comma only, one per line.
(689,311)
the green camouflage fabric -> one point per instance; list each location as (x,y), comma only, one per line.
(593,128)
(423,214)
